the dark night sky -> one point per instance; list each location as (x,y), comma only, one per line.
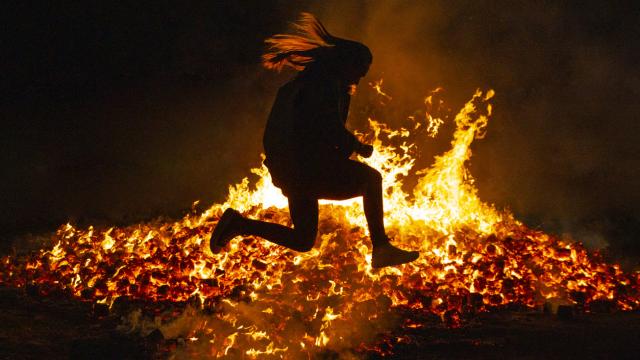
(117,113)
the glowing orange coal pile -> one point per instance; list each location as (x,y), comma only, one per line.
(259,300)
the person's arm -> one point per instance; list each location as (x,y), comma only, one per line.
(350,143)
(364,150)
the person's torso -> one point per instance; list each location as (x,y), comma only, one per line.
(295,133)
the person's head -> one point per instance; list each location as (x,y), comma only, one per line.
(313,47)
(351,61)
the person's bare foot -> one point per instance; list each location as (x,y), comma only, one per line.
(389,255)
(224,230)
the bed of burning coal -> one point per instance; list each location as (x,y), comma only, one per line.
(59,327)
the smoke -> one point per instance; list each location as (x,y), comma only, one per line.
(559,150)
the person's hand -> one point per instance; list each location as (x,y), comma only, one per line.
(364,150)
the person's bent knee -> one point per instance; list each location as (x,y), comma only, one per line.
(305,242)
(306,247)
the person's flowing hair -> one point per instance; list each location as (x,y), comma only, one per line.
(310,42)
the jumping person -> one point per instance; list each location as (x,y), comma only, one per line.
(308,147)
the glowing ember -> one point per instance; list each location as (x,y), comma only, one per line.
(377,86)
(433,106)
(259,299)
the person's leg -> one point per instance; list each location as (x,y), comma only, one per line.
(304,215)
(350,179)
(373,206)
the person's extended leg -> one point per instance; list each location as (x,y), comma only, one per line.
(350,179)
(304,215)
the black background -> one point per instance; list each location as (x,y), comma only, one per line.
(118,112)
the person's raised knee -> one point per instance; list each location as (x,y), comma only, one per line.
(305,247)
(306,242)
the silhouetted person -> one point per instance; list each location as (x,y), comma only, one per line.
(308,147)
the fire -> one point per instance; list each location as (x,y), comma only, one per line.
(258,299)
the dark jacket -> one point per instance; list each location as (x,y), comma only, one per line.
(306,131)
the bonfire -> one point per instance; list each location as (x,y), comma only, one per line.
(260,300)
